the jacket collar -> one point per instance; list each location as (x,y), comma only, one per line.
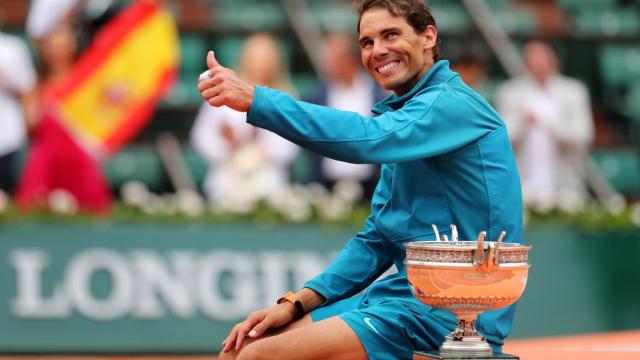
(438,74)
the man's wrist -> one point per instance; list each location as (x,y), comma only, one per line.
(310,298)
(293,299)
(251,92)
(256,102)
(290,307)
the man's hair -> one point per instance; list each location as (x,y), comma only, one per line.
(415,12)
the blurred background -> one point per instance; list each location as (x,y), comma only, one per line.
(136,219)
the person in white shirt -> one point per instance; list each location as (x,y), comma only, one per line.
(17,83)
(45,15)
(346,87)
(246,163)
(550,125)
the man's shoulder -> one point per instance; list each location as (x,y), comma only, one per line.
(450,94)
(451,103)
(517,82)
(512,89)
(570,83)
(12,43)
(429,93)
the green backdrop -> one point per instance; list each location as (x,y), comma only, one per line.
(149,287)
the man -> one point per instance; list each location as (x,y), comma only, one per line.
(240,155)
(345,87)
(473,72)
(17,83)
(549,120)
(446,159)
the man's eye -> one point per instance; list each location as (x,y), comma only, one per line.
(367,43)
(391,35)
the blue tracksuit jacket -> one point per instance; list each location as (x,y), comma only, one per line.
(446,159)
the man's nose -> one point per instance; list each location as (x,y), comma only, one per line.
(379,49)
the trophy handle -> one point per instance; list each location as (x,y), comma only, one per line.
(478,257)
(496,258)
(492,260)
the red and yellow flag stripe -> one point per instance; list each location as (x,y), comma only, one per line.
(113,89)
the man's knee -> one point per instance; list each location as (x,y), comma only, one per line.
(259,349)
(247,352)
(232,355)
(256,351)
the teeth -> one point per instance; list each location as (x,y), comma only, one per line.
(388,67)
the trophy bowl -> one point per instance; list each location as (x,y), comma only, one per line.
(467,278)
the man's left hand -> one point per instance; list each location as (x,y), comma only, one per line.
(224,87)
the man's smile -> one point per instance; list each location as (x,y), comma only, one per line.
(387,67)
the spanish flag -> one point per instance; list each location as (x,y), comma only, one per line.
(112,90)
(108,95)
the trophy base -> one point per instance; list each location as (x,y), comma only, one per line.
(430,355)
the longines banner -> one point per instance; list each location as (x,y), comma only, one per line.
(176,288)
(146,288)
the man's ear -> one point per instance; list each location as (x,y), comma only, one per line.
(430,35)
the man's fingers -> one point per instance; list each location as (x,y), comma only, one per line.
(226,344)
(214,96)
(231,339)
(216,101)
(248,325)
(213,84)
(211,74)
(211,92)
(260,328)
(211,60)
(204,76)
(240,339)
(205,85)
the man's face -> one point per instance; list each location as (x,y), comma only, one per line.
(340,62)
(541,60)
(392,52)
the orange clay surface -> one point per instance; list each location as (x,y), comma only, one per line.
(605,346)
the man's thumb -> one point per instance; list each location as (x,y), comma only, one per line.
(211,60)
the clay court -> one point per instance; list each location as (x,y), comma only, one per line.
(138,222)
(616,345)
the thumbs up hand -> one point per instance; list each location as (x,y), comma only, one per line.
(211,63)
(220,86)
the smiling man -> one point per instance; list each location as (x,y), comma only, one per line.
(446,159)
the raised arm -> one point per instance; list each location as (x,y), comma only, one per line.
(423,127)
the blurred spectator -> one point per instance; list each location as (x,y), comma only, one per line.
(246,163)
(345,87)
(550,125)
(17,83)
(473,72)
(57,165)
(47,15)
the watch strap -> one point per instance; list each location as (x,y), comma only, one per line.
(293,298)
